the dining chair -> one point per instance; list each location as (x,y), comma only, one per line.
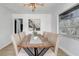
(54,40)
(16,40)
(45,35)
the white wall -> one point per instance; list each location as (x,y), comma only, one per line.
(5,26)
(69,45)
(45,21)
(54,22)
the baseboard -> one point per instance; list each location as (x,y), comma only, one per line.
(66,51)
(5,45)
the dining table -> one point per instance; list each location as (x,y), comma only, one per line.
(35,42)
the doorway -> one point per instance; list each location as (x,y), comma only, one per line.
(18,25)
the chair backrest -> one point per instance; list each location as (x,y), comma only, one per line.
(45,35)
(16,40)
(53,39)
(22,35)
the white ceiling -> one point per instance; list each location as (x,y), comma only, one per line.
(19,8)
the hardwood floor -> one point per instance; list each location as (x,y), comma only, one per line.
(9,51)
(61,53)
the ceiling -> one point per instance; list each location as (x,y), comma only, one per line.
(19,8)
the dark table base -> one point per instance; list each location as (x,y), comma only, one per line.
(36,53)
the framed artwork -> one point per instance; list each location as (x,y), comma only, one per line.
(34,24)
(69,22)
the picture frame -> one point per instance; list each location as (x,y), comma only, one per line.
(34,24)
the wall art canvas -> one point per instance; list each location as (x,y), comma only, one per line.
(34,24)
(69,22)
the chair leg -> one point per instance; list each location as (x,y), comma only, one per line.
(56,48)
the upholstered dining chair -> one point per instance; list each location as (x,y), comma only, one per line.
(53,39)
(17,39)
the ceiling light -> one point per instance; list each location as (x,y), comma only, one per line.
(34,6)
